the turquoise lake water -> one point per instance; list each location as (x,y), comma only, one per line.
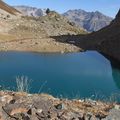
(73,75)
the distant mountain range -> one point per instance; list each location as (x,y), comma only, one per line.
(91,21)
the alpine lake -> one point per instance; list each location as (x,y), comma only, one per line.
(73,75)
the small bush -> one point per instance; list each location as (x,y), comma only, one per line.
(47,11)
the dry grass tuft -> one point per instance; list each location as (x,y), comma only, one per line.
(23,84)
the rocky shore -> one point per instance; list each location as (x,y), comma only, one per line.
(24,106)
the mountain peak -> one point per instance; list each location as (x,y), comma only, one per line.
(118,15)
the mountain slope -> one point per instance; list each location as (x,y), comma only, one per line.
(8,9)
(7,12)
(37,34)
(107,40)
(91,21)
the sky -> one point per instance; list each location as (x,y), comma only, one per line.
(107,7)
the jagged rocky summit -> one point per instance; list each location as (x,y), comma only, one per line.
(91,21)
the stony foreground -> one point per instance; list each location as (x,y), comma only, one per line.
(23,106)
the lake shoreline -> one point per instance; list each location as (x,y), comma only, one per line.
(44,52)
(45,45)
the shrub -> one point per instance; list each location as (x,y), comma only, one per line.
(47,11)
